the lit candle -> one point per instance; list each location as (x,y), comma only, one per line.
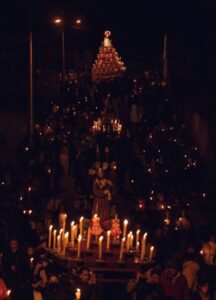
(108,240)
(78,246)
(78,294)
(8,294)
(58,243)
(50,236)
(88,238)
(131,240)
(61,236)
(151,253)
(71,231)
(100,247)
(81,226)
(64,222)
(125,228)
(73,235)
(65,242)
(137,246)
(75,231)
(143,249)
(54,239)
(128,241)
(122,249)
(137,236)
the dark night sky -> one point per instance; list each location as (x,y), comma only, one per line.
(132,22)
(137,27)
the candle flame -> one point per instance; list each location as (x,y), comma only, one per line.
(145,235)
(51,227)
(167,221)
(125,222)
(8,292)
(100,238)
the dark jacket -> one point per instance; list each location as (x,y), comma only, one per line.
(54,292)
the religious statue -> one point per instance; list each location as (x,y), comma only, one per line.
(102,192)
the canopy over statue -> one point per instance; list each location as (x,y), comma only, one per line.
(108,64)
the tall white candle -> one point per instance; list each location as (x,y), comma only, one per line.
(128,241)
(66,238)
(108,240)
(131,240)
(121,249)
(62,236)
(64,222)
(79,246)
(137,236)
(81,226)
(125,228)
(88,238)
(75,231)
(143,249)
(54,239)
(71,230)
(50,236)
(100,247)
(73,235)
(151,253)
(65,242)
(58,243)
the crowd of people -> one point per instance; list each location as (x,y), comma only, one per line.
(148,170)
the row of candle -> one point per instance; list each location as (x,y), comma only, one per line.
(63,240)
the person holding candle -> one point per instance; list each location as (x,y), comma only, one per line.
(86,283)
(40,276)
(13,263)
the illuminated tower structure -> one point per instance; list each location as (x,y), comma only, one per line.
(108,64)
